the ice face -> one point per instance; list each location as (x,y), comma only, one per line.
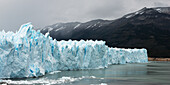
(28,53)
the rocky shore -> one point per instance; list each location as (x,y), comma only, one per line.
(158,59)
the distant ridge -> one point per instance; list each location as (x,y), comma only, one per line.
(147,28)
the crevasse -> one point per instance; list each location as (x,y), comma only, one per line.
(29,53)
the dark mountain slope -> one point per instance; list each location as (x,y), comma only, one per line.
(147,28)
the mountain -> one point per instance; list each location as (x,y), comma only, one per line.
(67,31)
(147,28)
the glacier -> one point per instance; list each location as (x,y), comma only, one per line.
(29,53)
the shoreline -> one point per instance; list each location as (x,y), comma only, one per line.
(158,59)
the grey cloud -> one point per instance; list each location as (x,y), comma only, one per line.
(111,9)
(160,4)
(13,13)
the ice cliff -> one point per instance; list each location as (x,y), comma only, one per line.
(29,53)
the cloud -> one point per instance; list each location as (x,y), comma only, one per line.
(160,4)
(41,13)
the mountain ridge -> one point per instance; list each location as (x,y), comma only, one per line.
(147,28)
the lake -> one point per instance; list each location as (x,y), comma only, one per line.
(152,73)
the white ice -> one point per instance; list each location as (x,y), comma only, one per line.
(29,53)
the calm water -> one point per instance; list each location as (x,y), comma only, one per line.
(152,73)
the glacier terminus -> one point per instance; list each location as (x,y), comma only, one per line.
(29,53)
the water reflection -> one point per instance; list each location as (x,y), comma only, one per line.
(111,71)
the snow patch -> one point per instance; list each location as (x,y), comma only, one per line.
(159,10)
(136,13)
(100,25)
(94,25)
(88,26)
(56,25)
(129,16)
(77,26)
(49,29)
(61,28)
(141,13)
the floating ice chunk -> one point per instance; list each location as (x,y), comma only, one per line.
(54,72)
(43,81)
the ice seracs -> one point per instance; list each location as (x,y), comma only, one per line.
(29,53)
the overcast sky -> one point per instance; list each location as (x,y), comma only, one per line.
(41,13)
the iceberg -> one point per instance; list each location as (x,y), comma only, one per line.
(29,53)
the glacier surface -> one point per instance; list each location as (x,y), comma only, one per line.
(29,53)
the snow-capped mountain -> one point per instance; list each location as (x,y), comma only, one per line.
(62,31)
(147,28)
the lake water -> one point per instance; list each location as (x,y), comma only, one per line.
(152,73)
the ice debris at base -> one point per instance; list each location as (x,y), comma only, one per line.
(44,81)
(29,53)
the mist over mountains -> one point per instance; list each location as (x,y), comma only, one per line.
(147,28)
